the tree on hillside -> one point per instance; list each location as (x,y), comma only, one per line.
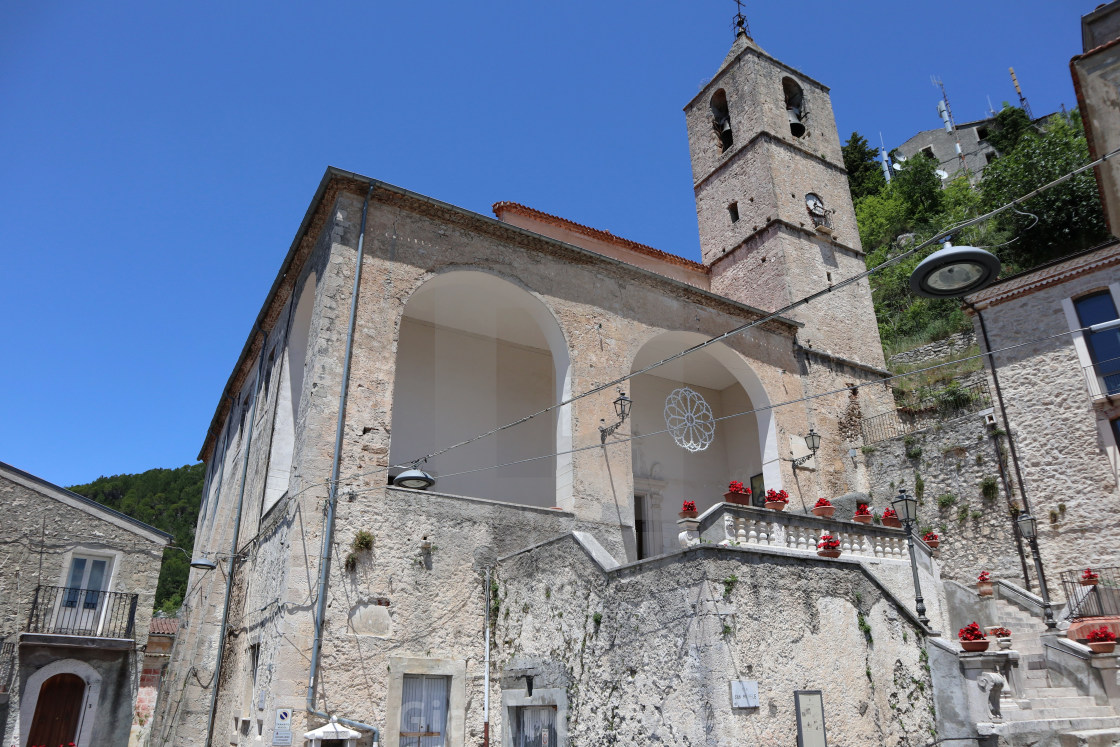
(1010,125)
(865,175)
(1069,217)
(169,500)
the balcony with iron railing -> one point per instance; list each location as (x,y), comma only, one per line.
(7,666)
(1092,597)
(914,413)
(103,616)
(1103,379)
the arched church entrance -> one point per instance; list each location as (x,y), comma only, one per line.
(704,453)
(477,352)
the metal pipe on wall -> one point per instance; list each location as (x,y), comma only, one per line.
(332,496)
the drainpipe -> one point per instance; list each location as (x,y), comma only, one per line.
(486,677)
(332,497)
(216,681)
(1010,438)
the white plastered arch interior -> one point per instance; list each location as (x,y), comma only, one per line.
(477,351)
(90,699)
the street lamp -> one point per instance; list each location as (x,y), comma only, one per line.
(622,406)
(954,271)
(414,478)
(1028,527)
(813,441)
(907,510)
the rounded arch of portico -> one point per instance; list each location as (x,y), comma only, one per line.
(92,696)
(490,305)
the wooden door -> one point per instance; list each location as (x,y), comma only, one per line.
(58,712)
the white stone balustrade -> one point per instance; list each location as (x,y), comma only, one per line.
(755,527)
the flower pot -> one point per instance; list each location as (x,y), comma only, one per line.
(984,588)
(688,514)
(981,645)
(828,553)
(1102,647)
(932,544)
(1090,581)
(739,499)
(891,521)
(862,519)
(1003,643)
(825,512)
(775,505)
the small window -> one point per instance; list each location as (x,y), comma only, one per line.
(424,704)
(534,726)
(928,152)
(721,120)
(1104,347)
(795,106)
(981,133)
(733,211)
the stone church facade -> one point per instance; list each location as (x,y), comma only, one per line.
(545,585)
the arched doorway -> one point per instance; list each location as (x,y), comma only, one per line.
(58,712)
(476,352)
(741,448)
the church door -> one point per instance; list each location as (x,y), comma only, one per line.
(58,712)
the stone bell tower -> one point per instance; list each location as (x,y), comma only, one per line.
(772,199)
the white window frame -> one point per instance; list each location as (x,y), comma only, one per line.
(456,669)
(1084,359)
(542,696)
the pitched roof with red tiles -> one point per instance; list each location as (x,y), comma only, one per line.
(164,626)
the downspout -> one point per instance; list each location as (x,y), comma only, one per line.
(1010,439)
(486,677)
(216,680)
(332,497)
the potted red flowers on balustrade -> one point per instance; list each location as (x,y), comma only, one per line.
(1002,636)
(890,518)
(972,638)
(688,510)
(1102,640)
(737,494)
(984,584)
(931,539)
(863,514)
(828,546)
(777,499)
(824,509)
(1088,578)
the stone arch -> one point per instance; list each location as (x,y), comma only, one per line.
(796,111)
(721,120)
(89,706)
(476,351)
(743,447)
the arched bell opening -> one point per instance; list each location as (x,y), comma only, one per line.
(667,473)
(721,120)
(795,106)
(477,352)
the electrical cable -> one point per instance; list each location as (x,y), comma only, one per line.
(941,235)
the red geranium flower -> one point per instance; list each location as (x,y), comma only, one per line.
(777,496)
(889,513)
(822,503)
(863,510)
(971,632)
(1000,632)
(1102,635)
(688,506)
(930,537)
(984,576)
(828,542)
(1088,575)
(737,487)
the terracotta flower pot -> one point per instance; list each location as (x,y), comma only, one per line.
(981,645)
(689,514)
(892,521)
(1090,581)
(984,588)
(828,553)
(932,544)
(776,505)
(1102,647)
(862,519)
(825,512)
(739,499)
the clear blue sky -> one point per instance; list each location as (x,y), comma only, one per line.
(158,157)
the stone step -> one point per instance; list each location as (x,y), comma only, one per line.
(1091,738)
(1059,714)
(1057,726)
(1045,693)
(1044,701)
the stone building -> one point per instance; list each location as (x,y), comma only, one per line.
(941,146)
(75,603)
(544,590)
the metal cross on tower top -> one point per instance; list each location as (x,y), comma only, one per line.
(740,25)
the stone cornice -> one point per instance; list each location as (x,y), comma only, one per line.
(768,137)
(780,223)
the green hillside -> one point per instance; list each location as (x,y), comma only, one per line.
(168,499)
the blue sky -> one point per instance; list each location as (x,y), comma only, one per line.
(158,158)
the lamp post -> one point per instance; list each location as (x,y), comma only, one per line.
(907,510)
(414,478)
(1028,527)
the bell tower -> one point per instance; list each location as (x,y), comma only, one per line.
(772,200)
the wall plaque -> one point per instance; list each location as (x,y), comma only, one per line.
(744,694)
(810,718)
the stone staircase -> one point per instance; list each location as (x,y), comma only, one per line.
(1044,714)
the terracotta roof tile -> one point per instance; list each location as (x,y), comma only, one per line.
(164,626)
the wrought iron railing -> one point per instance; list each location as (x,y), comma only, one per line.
(7,664)
(1092,598)
(911,413)
(61,610)
(1103,379)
